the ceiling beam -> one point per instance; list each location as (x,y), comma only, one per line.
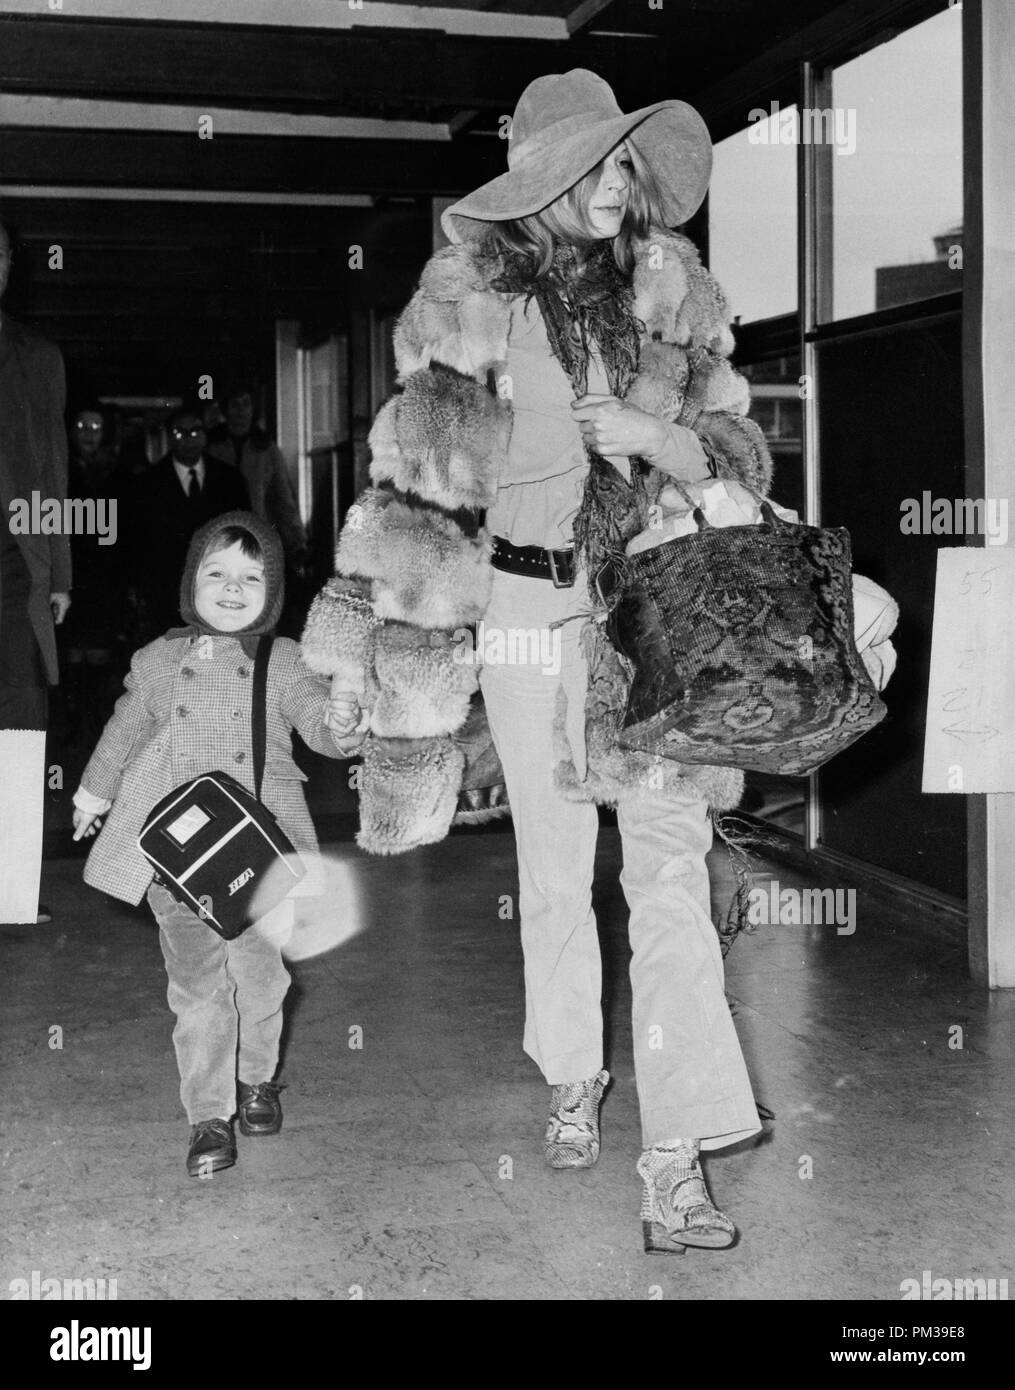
(357,74)
(583,14)
(142,159)
(185,195)
(118,221)
(363,74)
(341,15)
(88,114)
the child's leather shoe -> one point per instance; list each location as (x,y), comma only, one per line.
(212,1146)
(259,1111)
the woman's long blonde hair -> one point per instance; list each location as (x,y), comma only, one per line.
(528,243)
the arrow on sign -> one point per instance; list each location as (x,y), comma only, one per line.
(971,733)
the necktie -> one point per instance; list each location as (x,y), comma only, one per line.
(193,487)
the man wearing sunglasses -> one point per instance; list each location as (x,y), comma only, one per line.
(174,499)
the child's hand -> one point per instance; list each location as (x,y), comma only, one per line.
(85,823)
(342,713)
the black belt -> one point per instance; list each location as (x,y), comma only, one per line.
(533,560)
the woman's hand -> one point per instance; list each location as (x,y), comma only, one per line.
(85,823)
(611,426)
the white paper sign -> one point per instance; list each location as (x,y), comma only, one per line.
(970,740)
(22,790)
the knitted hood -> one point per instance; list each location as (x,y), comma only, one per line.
(274,580)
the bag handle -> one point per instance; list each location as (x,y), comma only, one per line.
(693,507)
(259,709)
(764,505)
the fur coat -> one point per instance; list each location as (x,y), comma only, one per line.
(413,559)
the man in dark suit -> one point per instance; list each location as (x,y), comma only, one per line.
(173,499)
(242,441)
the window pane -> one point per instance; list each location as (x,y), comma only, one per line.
(897,197)
(906,437)
(752,221)
(777,407)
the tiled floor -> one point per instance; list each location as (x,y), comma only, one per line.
(411,1167)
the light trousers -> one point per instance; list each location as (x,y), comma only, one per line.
(691,1077)
(227,997)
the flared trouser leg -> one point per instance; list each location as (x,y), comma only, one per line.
(556,841)
(691,1074)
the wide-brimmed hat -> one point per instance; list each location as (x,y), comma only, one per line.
(567,123)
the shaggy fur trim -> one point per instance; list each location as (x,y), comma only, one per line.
(453,318)
(339,636)
(676,298)
(425,571)
(408,793)
(386,462)
(663,375)
(445,438)
(424,689)
(678,384)
(476,815)
(618,774)
(714,385)
(740,443)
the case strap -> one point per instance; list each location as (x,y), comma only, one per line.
(259,709)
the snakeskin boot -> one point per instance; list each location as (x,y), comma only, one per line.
(572,1131)
(676,1209)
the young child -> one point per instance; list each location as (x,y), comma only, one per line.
(187,710)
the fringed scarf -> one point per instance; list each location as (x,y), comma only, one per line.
(586,300)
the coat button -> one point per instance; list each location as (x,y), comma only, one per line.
(239,757)
(237,714)
(243,671)
(181,710)
(186,671)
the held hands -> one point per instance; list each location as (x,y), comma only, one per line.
(59,604)
(615,428)
(344,715)
(85,823)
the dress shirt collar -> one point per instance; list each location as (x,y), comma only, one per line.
(183,473)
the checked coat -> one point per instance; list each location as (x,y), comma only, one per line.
(186,710)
